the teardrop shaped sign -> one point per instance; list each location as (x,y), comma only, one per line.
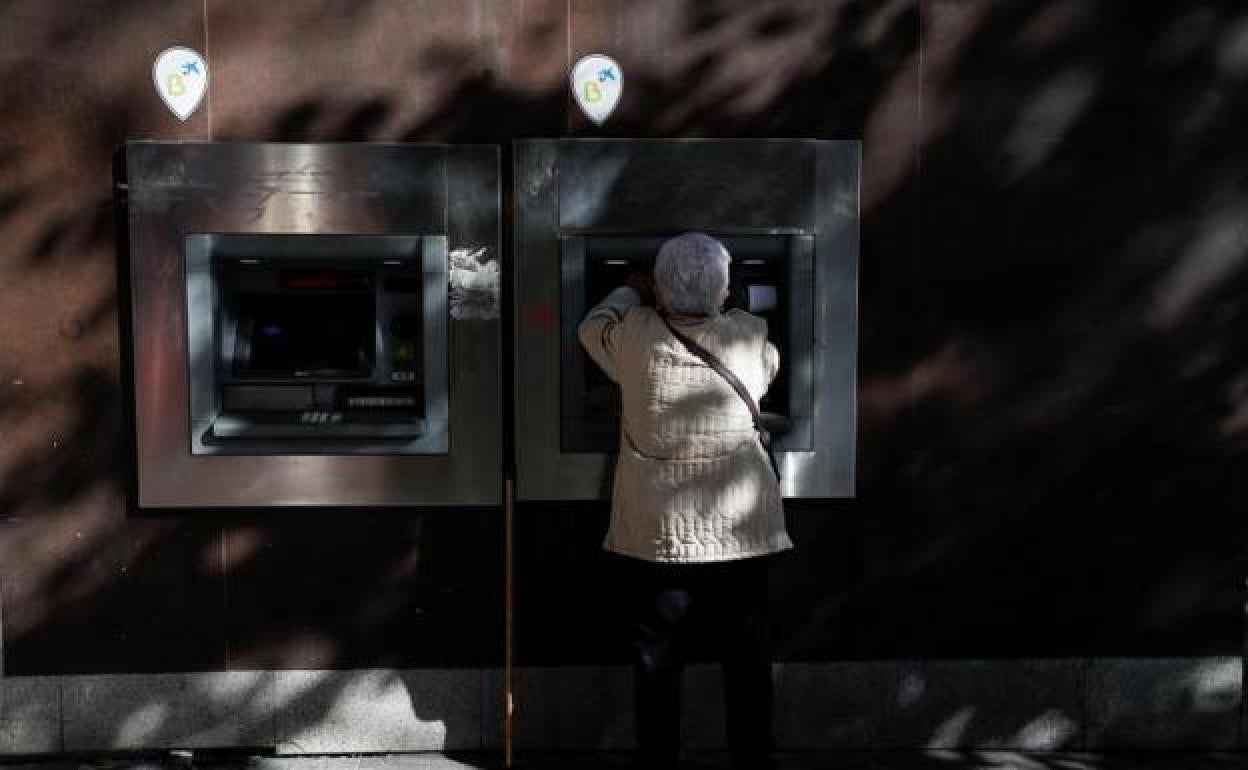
(597,82)
(181,77)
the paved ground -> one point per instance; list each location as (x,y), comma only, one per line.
(939,760)
(845,760)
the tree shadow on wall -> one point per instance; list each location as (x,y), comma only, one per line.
(1049,318)
(1083,309)
(1050,388)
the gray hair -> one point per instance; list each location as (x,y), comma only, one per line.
(691,273)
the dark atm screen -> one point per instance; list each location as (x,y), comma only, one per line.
(305,335)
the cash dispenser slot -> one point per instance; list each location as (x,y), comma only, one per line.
(310,412)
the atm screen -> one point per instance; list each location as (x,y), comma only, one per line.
(762,298)
(305,335)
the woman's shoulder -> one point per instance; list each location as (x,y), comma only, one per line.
(642,322)
(745,322)
(641,315)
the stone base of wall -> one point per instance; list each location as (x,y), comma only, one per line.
(1046,704)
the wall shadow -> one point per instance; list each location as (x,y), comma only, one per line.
(1052,392)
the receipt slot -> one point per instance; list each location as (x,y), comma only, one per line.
(293,332)
(589,212)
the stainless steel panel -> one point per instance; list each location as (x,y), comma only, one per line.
(838,169)
(435,344)
(799,354)
(807,189)
(686,184)
(474,212)
(572,362)
(180,188)
(542,471)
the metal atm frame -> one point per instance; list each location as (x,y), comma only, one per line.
(187,202)
(804,191)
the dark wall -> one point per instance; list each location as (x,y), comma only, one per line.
(1053,394)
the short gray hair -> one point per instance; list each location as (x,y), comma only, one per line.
(691,272)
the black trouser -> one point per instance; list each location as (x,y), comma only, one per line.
(723,604)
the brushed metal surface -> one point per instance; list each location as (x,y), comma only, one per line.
(750,185)
(838,169)
(179,188)
(543,472)
(808,189)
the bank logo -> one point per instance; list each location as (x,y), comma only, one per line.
(597,82)
(181,77)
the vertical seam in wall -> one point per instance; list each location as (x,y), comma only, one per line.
(918,103)
(1,630)
(483,688)
(916,272)
(273,712)
(1239,723)
(60,712)
(1241,736)
(225,601)
(208,59)
(1085,666)
(1243,647)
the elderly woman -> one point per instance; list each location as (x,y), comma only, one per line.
(696,504)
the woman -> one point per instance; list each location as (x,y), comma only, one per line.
(696,506)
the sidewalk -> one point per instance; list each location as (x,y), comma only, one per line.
(840,760)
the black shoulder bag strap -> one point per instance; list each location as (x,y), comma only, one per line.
(712,361)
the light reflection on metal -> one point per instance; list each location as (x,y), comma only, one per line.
(176,188)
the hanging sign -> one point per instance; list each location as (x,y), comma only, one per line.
(181,77)
(597,81)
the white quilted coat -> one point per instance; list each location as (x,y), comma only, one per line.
(693,483)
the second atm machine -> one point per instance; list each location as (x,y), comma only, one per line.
(313,324)
(590,211)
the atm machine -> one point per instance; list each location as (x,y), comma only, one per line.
(313,324)
(591,211)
